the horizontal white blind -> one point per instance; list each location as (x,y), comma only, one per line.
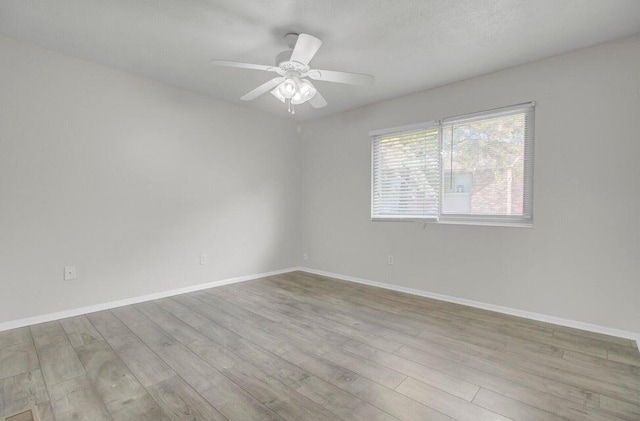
(470,169)
(487,167)
(406,175)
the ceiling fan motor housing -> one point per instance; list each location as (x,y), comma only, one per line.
(283,57)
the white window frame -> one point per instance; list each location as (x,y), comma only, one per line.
(525,220)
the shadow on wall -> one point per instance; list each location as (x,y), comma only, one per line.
(131,180)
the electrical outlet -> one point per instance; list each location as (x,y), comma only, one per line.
(203,259)
(70,273)
(390,259)
(305,257)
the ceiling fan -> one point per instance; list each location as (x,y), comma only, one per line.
(292,85)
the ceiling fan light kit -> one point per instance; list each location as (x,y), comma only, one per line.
(294,91)
(293,86)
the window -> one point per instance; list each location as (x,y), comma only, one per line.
(473,169)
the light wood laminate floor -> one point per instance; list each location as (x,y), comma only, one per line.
(303,347)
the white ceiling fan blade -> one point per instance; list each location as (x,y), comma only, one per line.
(341,77)
(306,47)
(251,66)
(264,88)
(318,101)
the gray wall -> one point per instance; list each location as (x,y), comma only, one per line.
(581,260)
(131,180)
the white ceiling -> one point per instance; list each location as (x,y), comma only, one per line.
(408,45)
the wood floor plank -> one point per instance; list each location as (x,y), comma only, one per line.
(629,381)
(45,411)
(146,366)
(442,381)
(169,323)
(595,340)
(227,397)
(107,324)
(142,408)
(445,403)
(268,390)
(306,301)
(530,380)
(493,324)
(57,357)
(411,326)
(299,349)
(591,361)
(181,403)
(301,354)
(287,373)
(599,372)
(342,404)
(455,309)
(562,407)
(413,321)
(297,310)
(394,403)
(48,336)
(285,402)
(77,399)
(363,367)
(517,338)
(512,408)
(60,364)
(310,364)
(13,337)
(111,377)
(22,391)
(625,388)
(557,363)
(569,333)
(17,359)
(623,409)
(624,355)
(394,362)
(460,331)
(333,354)
(265,385)
(80,331)
(522,332)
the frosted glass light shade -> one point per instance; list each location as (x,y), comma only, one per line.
(303,91)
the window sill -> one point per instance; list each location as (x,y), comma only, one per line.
(491,222)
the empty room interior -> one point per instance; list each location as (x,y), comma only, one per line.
(319,210)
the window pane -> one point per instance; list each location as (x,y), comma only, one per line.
(483,166)
(406,175)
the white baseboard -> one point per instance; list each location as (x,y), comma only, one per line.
(492,307)
(134,300)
